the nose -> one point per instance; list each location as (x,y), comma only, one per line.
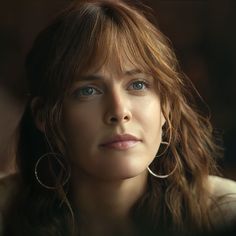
(117,109)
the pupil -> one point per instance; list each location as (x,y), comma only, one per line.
(138,85)
(88,91)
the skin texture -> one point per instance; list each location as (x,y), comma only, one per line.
(113,103)
(111,179)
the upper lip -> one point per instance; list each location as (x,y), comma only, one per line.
(120,138)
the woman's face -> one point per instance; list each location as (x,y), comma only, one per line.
(112,123)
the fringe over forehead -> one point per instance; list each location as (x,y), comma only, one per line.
(88,35)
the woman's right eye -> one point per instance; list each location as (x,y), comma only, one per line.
(85,92)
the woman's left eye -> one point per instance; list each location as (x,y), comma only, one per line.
(138,85)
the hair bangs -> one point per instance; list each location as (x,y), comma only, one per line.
(108,42)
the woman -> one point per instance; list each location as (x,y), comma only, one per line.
(110,140)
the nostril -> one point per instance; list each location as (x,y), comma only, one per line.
(113,119)
(126,118)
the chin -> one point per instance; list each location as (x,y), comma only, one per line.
(123,173)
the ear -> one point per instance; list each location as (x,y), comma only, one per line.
(37,112)
(164,114)
(163,120)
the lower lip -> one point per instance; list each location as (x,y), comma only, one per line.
(121,145)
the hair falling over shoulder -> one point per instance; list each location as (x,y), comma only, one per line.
(87,34)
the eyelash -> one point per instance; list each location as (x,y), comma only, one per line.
(143,82)
(78,92)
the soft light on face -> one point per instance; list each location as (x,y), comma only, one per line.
(112,122)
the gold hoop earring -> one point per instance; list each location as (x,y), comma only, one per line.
(66,174)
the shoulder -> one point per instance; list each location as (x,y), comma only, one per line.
(8,186)
(221,186)
(223,201)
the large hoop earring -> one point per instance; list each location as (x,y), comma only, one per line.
(162,176)
(65,172)
(167,146)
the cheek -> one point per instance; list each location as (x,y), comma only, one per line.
(150,117)
(79,126)
(152,125)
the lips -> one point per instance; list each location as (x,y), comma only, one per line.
(121,142)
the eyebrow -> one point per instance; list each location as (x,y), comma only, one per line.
(98,77)
(133,72)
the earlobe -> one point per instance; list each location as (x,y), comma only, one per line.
(165,114)
(163,120)
(36,108)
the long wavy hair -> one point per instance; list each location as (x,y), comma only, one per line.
(87,35)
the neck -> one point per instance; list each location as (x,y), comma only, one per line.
(106,205)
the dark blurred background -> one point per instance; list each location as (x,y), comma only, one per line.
(203,35)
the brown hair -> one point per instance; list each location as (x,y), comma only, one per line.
(86,35)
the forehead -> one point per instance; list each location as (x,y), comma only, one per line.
(114,54)
(112,67)
(116,63)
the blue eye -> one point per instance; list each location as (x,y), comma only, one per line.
(138,85)
(86,92)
